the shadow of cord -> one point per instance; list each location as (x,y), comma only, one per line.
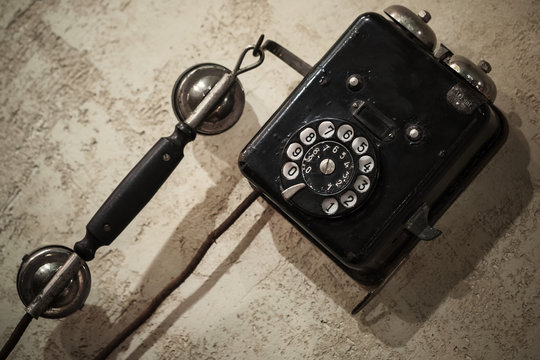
(201,291)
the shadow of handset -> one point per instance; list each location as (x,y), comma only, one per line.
(201,219)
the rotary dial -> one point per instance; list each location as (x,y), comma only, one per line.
(328,168)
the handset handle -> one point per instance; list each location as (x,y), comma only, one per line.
(145,179)
(135,191)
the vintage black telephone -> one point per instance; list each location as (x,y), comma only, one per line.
(363,157)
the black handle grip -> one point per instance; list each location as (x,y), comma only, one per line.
(134,192)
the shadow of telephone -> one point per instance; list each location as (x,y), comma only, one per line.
(363,157)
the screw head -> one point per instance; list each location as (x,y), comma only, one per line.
(424,15)
(354,82)
(107,228)
(323,81)
(327,166)
(166,157)
(414,133)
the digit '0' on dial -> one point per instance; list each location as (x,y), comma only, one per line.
(290,171)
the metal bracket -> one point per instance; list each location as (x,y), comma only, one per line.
(302,67)
(418,225)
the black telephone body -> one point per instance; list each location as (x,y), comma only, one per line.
(373,146)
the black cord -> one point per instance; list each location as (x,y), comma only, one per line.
(157,300)
(176,282)
(15,336)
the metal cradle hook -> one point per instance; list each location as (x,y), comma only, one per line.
(256,51)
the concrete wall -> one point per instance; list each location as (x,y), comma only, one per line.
(85,91)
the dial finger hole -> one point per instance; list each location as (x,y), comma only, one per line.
(345,133)
(362,184)
(308,136)
(348,199)
(327,129)
(360,145)
(366,164)
(295,151)
(329,206)
(290,171)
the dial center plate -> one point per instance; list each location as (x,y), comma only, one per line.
(334,161)
(327,166)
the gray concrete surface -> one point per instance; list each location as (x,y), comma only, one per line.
(84,91)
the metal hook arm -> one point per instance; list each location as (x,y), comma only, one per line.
(257,52)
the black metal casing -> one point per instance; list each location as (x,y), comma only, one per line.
(402,85)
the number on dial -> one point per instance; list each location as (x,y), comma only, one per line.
(366,164)
(345,133)
(348,199)
(329,206)
(327,129)
(308,136)
(295,151)
(362,184)
(360,145)
(290,171)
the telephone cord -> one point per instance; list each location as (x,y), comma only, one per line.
(15,336)
(157,300)
(176,282)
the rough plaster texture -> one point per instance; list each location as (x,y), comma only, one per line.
(84,92)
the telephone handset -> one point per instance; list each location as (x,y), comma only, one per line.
(363,157)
